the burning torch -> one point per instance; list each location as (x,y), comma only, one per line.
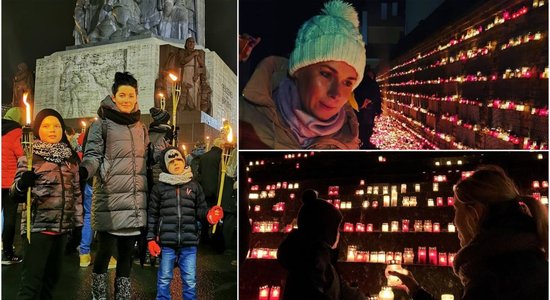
(226,151)
(26,142)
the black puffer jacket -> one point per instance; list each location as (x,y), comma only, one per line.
(174,212)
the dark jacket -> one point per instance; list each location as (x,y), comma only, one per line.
(174,212)
(157,143)
(209,171)
(11,150)
(56,198)
(311,274)
(118,163)
(369,89)
(503,261)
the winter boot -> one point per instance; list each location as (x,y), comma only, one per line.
(99,286)
(122,288)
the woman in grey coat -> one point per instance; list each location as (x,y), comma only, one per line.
(115,156)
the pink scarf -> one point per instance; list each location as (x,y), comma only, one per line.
(304,126)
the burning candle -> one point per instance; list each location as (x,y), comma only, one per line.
(403,188)
(443,259)
(536,184)
(412,201)
(385,190)
(430,202)
(275,293)
(418,225)
(436,227)
(428,225)
(352,252)
(451,227)
(447,297)
(435,187)
(362,182)
(545,184)
(417,187)
(393,201)
(381,256)
(264,293)
(386,293)
(439,201)
(348,227)
(450,201)
(421,255)
(395,267)
(406,201)
(184,150)
(394,226)
(386,202)
(359,227)
(256,208)
(405,225)
(373,257)
(389,257)
(398,257)
(375,190)
(385,227)
(432,254)
(451,258)
(360,257)
(370,227)
(374,204)
(408,256)
(366,204)
(369,189)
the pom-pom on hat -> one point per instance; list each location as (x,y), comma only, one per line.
(318,218)
(169,154)
(331,36)
(159,115)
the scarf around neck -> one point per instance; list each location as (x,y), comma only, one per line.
(178,179)
(56,153)
(304,126)
(119,117)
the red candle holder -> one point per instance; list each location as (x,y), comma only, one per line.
(264,293)
(443,259)
(432,254)
(370,228)
(288,228)
(405,225)
(348,227)
(451,259)
(275,293)
(536,184)
(450,201)
(439,201)
(436,227)
(359,227)
(256,208)
(374,204)
(421,255)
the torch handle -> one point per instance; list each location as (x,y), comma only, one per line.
(28,210)
(220,194)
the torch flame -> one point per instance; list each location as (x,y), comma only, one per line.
(83,124)
(173,77)
(27,109)
(161,95)
(230,135)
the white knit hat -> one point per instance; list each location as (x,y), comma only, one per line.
(332,36)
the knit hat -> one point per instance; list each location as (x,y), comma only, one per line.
(15,114)
(159,115)
(332,36)
(169,154)
(318,218)
(46,113)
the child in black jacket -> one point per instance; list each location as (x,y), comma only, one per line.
(177,204)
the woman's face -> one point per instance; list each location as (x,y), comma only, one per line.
(50,130)
(325,87)
(466,221)
(125,98)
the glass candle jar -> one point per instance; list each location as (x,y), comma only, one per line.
(386,293)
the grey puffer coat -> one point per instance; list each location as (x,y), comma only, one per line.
(118,163)
(56,200)
(174,213)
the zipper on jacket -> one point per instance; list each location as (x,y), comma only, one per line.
(136,208)
(179,213)
(62,199)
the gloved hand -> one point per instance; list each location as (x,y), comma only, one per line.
(215,214)
(27,180)
(154,248)
(83,174)
(168,136)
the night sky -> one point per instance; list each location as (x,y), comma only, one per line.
(32,29)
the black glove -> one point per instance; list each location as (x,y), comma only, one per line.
(83,175)
(27,180)
(169,136)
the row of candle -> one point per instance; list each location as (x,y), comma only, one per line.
(393,226)
(499,19)
(465,55)
(262,253)
(277,186)
(299,155)
(495,103)
(426,255)
(528,144)
(523,72)
(390,133)
(269,292)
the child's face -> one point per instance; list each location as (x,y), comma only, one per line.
(50,130)
(176,166)
(125,98)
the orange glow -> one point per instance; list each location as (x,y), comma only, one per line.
(230,135)
(173,77)
(83,124)
(27,109)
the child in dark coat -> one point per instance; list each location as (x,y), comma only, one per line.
(177,205)
(56,204)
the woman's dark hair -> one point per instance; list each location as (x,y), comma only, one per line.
(124,78)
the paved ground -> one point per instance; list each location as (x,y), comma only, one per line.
(216,278)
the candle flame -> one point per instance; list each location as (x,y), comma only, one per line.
(83,124)
(183,147)
(173,77)
(161,95)
(27,109)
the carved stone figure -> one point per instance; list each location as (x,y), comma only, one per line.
(189,63)
(175,20)
(121,21)
(151,14)
(23,82)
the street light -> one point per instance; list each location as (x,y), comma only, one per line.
(176,91)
